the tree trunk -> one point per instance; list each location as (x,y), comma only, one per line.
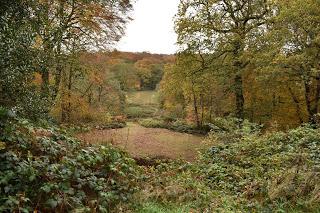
(66,96)
(45,81)
(307,95)
(202,109)
(90,98)
(297,103)
(69,93)
(99,93)
(63,98)
(317,98)
(211,108)
(238,67)
(195,106)
(239,97)
(58,73)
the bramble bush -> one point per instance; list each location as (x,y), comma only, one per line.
(44,169)
(270,171)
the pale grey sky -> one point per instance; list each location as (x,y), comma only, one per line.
(152,29)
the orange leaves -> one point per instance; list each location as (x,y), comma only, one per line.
(37,79)
(38,42)
(146,63)
(96,77)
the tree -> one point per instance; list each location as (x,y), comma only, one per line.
(149,70)
(126,74)
(222,30)
(298,24)
(16,57)
(95,24)
(37,36)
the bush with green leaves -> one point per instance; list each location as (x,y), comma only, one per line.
(174,184)
(46,170)
(230,129)
(175,125)
(275,170)
(152,123)
(134,111)
(18,57)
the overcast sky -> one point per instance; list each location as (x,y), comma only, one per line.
(152,29)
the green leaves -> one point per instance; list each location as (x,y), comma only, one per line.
(52,203)
(56,171)
(2,145)
(275,166)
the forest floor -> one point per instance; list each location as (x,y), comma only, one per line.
(141,142)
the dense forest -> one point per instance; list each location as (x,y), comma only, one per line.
(229,123)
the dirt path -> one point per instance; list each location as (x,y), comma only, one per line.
(148,142)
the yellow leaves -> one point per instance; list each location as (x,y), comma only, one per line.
(37,79)
(96,77)
(76,105)
(43,2)
(2,145)
(94,15)
(115,61)
(38,42)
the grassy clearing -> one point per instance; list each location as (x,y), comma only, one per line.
(142,142)
(142,104)
(147,142)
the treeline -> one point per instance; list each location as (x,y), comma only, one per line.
(56,59)
(138,71)
(256,60)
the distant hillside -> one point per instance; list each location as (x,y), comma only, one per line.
(134,71)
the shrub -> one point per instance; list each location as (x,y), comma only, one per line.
(43,169)
(176,125)
(139,112)
(112,125)
(272,169)
(174,185)
(152,123)
(81,128)
(230,130)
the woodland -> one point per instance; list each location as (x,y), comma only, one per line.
(229,123)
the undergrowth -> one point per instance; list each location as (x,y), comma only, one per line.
(244,171)
(43,169)
(279,170)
